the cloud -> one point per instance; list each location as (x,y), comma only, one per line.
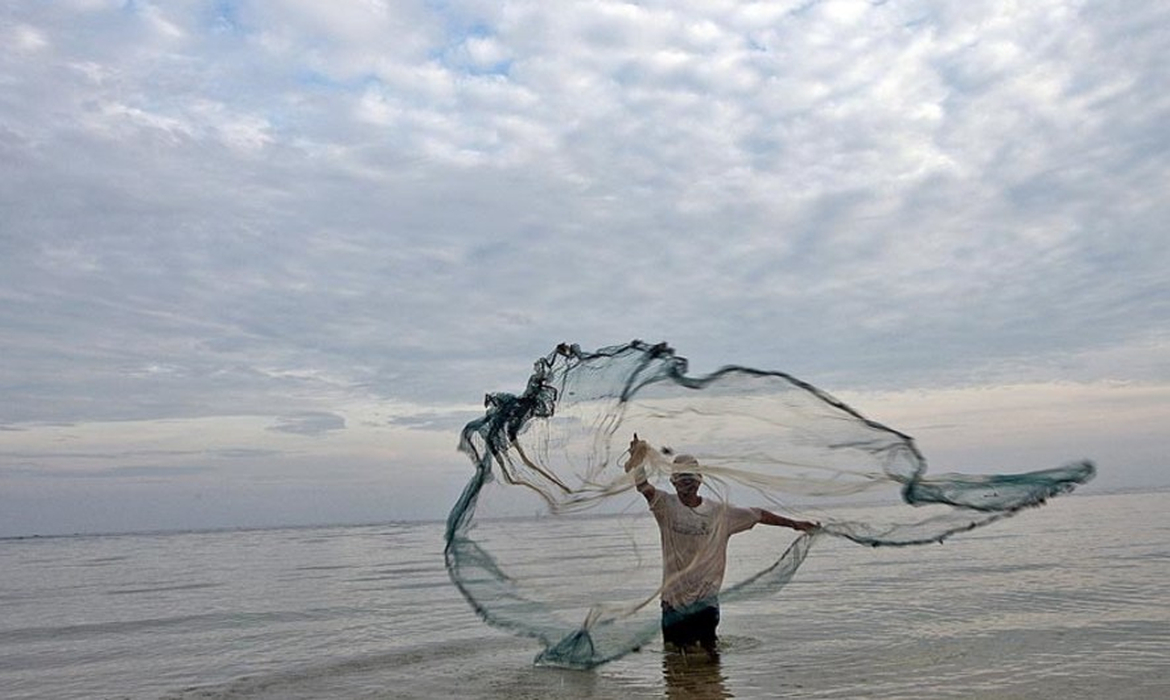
(867,168)
(451,422)
(226,210)
(244,453)
(309,423)
(135,472)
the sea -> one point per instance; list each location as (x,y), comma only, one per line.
(1071,600)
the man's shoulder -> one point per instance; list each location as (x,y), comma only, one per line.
(663,501)
(663,497)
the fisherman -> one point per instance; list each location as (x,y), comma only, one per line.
(694,533)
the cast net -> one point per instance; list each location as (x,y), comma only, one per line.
(551,540)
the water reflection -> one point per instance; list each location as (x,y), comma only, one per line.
(696,675)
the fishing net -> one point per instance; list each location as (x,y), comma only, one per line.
(551,540)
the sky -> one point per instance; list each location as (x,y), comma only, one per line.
(260,261)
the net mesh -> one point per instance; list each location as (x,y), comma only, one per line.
(549,463)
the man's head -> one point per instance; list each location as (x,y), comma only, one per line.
(685,475)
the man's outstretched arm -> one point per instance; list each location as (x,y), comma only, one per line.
(769,518)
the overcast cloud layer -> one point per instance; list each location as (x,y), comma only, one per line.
(260,260)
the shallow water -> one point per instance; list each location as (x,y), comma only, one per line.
(1068,601)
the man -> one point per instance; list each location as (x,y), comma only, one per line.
(694,534)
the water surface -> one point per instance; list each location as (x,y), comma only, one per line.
(1068,601)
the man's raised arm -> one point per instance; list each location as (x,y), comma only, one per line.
(639,451)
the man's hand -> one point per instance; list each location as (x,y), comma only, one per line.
(805,526)
(638,451)
(770,518)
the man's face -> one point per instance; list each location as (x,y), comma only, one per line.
(686,484)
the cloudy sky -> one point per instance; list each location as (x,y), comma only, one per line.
(259,261)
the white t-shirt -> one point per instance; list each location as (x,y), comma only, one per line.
(694,545)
